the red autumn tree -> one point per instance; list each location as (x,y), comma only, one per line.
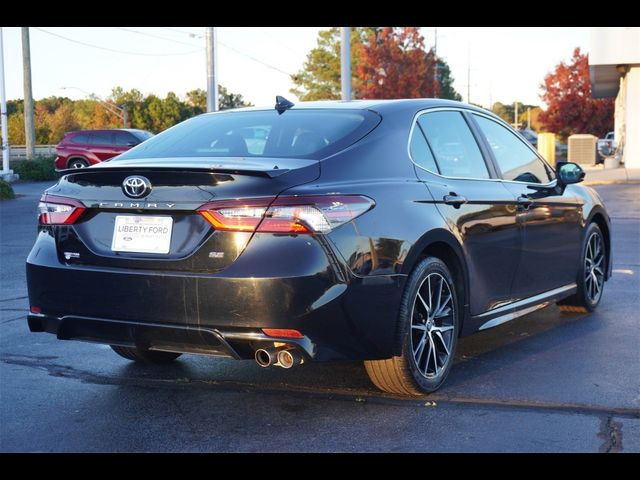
(570,106)
(393,64)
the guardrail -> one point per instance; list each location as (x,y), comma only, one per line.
(19,152)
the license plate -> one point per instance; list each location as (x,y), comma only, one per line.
(142,234)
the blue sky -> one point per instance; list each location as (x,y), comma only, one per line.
(506,64)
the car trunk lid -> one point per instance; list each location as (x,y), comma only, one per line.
(162,230)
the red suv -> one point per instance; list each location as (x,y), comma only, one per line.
(83,148)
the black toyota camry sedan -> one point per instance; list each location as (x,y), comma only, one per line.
(379,231)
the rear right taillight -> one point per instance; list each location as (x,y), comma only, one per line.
(54,210)
(289,214)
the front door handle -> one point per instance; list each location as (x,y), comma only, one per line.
(454,199)
(525,202)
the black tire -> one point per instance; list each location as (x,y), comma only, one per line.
(77,163)
(145,356)
(404,374)
(583,301)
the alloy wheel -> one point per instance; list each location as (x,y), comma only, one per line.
(432,325)
(594,267)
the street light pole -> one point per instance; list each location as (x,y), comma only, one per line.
(345,63)
(212,69)
(6,172)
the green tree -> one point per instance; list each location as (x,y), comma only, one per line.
(197,101)
(154,111)
(62,121)
(227,99)
(507,112)
(15,129)
(54,116)
(173,111)
(446,81)
(319,78)
(42,122)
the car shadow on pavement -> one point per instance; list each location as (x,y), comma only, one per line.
(520,341)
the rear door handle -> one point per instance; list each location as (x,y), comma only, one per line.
(454,199)
(524,202)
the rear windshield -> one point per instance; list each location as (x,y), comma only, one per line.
(293,134)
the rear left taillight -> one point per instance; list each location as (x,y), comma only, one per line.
(289,214)
(54,210)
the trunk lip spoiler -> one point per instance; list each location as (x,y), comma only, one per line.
(271,173)
(270,167)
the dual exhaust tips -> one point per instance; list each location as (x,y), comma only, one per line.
(284,357)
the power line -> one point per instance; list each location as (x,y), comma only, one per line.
(191,34)
(154,36)
(114,50)
(250,57)
(254,59)
(279,42)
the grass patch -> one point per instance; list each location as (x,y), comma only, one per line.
(40,169)
(6,192)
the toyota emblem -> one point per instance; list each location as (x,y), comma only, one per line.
(136,186)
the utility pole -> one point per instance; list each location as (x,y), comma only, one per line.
(469,82)
(515,114)
(529,117)
(468,72)
(6,172)
(345,63)
(212,69)
(29,128)
(435,66)
(490,96)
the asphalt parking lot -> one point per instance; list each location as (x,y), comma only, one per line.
(544,383)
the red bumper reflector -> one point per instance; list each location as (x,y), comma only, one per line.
(35,310)
(282,333)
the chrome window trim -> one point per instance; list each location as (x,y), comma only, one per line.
(523,140)
(498,120)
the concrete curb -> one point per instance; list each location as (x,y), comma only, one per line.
(611,182)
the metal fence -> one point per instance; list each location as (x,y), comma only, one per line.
(19,152)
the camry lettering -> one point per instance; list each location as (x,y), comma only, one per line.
(134,205)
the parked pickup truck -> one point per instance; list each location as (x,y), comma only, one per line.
(607,145)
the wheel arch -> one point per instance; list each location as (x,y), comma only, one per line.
(600,218)
(79,157)
(442,244)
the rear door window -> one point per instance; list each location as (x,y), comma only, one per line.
(453,145)
(101,138)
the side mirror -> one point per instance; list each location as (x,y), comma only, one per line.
(569,172)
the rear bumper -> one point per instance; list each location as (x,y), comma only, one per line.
(237,344)
(340,316)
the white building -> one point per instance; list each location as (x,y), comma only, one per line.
(614,68)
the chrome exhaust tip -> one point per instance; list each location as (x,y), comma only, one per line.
(265,357)
(288,358)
